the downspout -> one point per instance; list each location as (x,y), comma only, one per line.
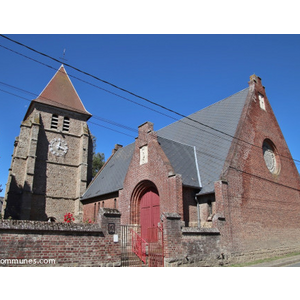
(198,212)
(200,185)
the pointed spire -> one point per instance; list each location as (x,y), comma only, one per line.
(61,93)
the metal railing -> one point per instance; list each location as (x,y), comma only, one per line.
(128,257)
(137,251)
(156,247)
(139,247)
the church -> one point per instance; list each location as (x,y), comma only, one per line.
(224,170)
(224,173)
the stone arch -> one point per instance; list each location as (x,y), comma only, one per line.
(138,192)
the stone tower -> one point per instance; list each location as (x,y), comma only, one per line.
(51,162)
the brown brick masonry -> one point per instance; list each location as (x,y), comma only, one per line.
(81,245)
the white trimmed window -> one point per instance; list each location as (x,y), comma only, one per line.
(261,99)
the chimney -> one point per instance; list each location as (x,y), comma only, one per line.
(117,147)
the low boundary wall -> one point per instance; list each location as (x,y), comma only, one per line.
(190,246)
(35,243)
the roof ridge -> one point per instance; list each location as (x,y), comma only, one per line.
(62,66)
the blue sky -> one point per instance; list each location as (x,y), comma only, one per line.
(182,72)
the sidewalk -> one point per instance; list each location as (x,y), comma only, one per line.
(281,262)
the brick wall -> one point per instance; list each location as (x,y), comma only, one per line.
(157,171)
(190,214)
(190,246)
(31,242)
(261,208)
(92,207)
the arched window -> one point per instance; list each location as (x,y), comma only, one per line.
(270,156)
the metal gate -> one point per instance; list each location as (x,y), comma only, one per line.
(155,246)
(128,257)
(139,252)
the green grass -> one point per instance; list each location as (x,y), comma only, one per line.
(255,262)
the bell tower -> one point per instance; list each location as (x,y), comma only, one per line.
(51,162)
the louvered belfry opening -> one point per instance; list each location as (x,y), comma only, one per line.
(54,122)
(66,124)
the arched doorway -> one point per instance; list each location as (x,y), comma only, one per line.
(147,239)
(145,206)
(149,212)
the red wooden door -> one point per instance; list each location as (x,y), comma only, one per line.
(149,213)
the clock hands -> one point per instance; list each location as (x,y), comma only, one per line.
(58,147)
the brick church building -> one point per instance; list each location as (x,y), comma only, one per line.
(220,181)
(225,170)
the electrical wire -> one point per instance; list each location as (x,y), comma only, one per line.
(68,107)
(115,86)
(110,129)
(104,120)
(126,91)
(118,124)
(89,83)
(265,179)
(209,155)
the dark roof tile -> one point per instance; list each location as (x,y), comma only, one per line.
(180,141)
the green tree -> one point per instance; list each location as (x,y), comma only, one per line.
(98,158)
(98,162)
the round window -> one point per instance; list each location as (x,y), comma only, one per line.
(270,156)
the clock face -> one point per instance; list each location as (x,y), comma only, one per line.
(58,147)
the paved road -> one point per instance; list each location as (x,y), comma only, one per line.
(294,265)
(293,261)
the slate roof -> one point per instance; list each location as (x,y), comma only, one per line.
(183,160)
(211,146)
(112,176)
(195,151)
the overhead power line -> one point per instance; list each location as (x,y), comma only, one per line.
(129,128)
(131,93)
(98,118)
(115,94)
(265,179)
(110,129)
(91,84)
(115,86)
(68,107)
